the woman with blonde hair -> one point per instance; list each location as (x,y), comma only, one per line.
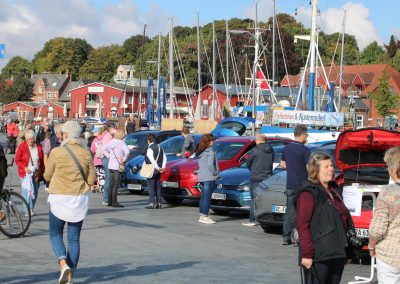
(322,223)
(117,152)
(384,231)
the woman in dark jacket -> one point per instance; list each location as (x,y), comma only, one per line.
(321,223)
(208,173)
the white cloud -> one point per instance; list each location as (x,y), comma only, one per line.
(357,22)
(265,10)
(26,25)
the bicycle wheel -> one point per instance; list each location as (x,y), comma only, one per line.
(16,215)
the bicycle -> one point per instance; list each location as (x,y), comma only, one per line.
(15,214)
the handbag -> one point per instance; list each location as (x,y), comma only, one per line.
(37,173)
(121,166)
(148,169)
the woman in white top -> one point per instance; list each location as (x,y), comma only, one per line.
(68,196)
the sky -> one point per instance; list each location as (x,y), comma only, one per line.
(26,25)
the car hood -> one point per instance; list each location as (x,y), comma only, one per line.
(182,165)
(235,176)
(364,147)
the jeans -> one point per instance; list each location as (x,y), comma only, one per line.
(13,143)
(287,226)
(31,202)
(386,273)
(252,217)
(115,177)
(325,272)
(104,161)
(56,230)
(207,188)
(154,189)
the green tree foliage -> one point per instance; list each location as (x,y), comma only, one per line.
(17,66)
(133,45)
(395,62)
(62,55)
(392,47)
(103,63)
(371,53)
(385,98)
(327,48)
(20,90)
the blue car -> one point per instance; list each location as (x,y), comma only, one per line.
(234,126)
(232,191)
(134,181)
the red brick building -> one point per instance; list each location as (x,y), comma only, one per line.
(49,86)
(30,110)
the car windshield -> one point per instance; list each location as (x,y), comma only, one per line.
(172,146)
(136,140)
(238,127)
(227,150)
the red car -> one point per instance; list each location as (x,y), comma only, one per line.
(179,181)
(359,156)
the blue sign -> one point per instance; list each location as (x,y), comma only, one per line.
(2,50)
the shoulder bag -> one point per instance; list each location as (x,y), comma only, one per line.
(77,163)
(121,166)
(37,174)
(148,169)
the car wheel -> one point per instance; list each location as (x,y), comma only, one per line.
(266,227)
(136,191)
(173,200)
(220,212)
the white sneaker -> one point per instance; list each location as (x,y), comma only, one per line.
(249,224)
(65,275)
(104,203)
(32,213)
(206,220)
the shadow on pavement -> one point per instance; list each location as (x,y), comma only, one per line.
(100,273)
(131,223)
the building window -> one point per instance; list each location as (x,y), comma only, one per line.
(378,122)
(143,100)
(40,90)
(204,111)
(130,100)
(54,95)
(48,95)
(114,100)
(39,99)
(359,120)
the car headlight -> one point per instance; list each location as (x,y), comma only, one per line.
(244,187)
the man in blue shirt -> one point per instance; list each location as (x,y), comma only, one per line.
(294,158)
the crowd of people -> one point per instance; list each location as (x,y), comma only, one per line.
(315,208)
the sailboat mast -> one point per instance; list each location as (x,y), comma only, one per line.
(228,99)
(171,70)
(158,67)
(312,59)
(255,63)
(341,64)
(212,118)
(273,47)
(198,106)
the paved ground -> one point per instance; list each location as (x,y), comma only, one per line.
(135,245)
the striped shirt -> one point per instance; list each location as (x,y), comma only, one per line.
(385,225)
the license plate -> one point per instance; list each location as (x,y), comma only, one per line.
(364,233)
(278,209)
(135,186)
(170,184)
(218,196)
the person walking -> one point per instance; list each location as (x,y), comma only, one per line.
(260,162)
(43,128)
(108,136)
(12,134)
(294,159)
(155,155)
(71,171)
(322,223)
(384,230)
(188,146)
(208,173)
(97,161)
(130,124)
(117,153)
(29,160)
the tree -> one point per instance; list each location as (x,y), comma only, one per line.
(395,61)
(62,55)
(103,62)
(371,53)
(385,98)
(17,66)
(392,47)
(133,45)
(20,90)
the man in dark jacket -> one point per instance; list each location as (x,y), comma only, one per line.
(3,167)
(260,163)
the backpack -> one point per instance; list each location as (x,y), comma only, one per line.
(99,150)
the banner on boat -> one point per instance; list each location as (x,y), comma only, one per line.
(329,119)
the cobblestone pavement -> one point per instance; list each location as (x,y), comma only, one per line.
(135,245)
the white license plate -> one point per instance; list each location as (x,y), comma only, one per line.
(135,186)
(278,209)
(218,196)
(364,233)
(170,184)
